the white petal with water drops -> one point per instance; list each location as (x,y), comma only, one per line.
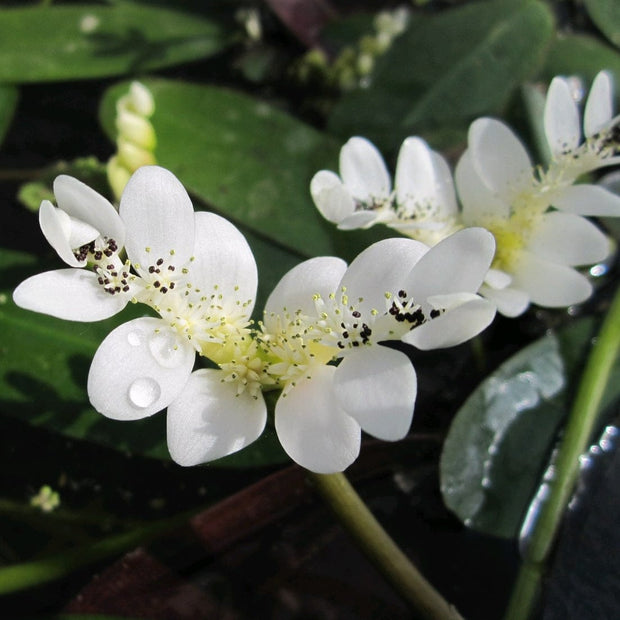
(139,369)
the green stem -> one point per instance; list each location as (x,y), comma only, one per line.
(381,549)
(575,442)
(38,572)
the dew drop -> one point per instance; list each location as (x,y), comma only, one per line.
(143,392)
(166,348)
(135,339)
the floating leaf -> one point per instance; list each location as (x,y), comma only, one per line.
(447,69)
(606,15)
(492,458)
(44,365)
(247,160)
(42,43)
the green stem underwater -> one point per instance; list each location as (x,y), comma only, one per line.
(379,547)
(577,437)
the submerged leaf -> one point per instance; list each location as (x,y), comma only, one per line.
(491,459)
(501,439)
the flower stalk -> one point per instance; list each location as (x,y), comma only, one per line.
(577,436)
(379,547)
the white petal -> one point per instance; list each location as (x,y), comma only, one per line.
(379,269)
(561,118)
(81,233)
(208,420)
(453,327)
(331,197)
(70,294)
(592,200)
(415,180)
(510,302)
(296,289)
(363,170)
(446,194)
(458,263)
(85,204)
(224,259)
(499,158)
(568,239)
(360,219)
(159,215)
(313,430)
(478,201)
(139,369)
(377,386)
(549,284)
(599,106)
(497,279)
(56,227)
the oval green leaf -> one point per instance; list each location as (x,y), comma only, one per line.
(606,15)
(43,43)
(581,55)
(248,161)
(447,69)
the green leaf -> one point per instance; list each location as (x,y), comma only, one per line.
(8,102)
(247,160)
(43,43)
(580,55)
(447,69)
(499,442)
(44,366)
(606,15)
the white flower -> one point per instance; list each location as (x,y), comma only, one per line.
(422,205)
(198,273)
(84,228)
(321,310)
(562,121)
(361,196)
(536,215)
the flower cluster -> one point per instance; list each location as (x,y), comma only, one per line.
(321,342)
(535,214)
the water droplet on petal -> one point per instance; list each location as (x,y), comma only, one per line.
(143,392)
(135,339)
(167,349)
